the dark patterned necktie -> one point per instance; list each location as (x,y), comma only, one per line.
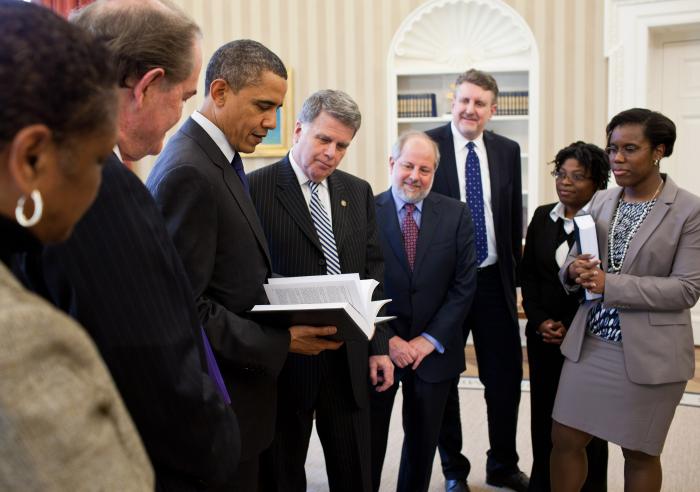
(409,230)
(475,200)
(238,167)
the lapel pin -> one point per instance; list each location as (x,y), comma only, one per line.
(343,203)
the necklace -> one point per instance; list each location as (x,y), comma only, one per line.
(614,236)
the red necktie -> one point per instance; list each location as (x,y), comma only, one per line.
(409,229)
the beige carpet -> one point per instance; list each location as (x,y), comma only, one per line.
(681,457)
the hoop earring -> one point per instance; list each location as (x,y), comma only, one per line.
(656,162)
(38,210)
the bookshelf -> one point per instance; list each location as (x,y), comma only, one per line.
(443,38)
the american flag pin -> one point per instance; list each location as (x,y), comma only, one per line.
(343,203)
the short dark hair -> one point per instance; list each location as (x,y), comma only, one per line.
(337,104)
(591,157)
(143,36)
(242,63)
(52,73)
(482,79)
(658,129)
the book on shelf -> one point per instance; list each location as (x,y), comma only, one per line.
(513,103)
(416,106)
(344,301)
(587,241)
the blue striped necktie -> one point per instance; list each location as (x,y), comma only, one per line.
(475,200)
(324,229)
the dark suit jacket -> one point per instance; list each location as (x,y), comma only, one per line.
(296,250)
(506,197)
(121,278)
(435,297)
(543,295)
(218,235)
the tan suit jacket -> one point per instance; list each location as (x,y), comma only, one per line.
(658,284)
(63,425)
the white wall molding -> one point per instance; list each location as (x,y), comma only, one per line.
(627,30)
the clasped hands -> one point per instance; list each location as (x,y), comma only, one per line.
(410,353)
(585,271)
(552,331)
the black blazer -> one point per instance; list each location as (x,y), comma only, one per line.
(506,197)
(543,295)
(218,235)
(435,297)
(120,276)
(296,250)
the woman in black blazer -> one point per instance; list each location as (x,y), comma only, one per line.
(579,171)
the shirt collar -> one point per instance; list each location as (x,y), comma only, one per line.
(216,135)
(117,153)
(299,172)
(461,142)
(399,202)
(558,211)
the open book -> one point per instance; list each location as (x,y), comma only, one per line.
(343,301)
(587,241)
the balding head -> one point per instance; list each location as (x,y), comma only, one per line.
(142,35)
(157,49)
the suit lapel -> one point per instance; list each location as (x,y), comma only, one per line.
(387,216)
(493,154)
(231,179)
(429,225)
(340,208)
(292,199)
(447,153)
(602,226)
(653,220)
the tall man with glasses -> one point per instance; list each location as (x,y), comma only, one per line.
(482,169)
(319,220)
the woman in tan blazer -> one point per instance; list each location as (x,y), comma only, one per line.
(630,354)
(63,426)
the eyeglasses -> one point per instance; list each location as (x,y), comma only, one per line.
(575,178)
(626,151)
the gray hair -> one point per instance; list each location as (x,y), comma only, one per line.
(143,35)
(336,103)
(398,146)
(241,63)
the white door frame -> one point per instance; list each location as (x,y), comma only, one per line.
(627,47)
(626,44)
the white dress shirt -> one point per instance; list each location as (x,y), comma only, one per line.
(461,152)
(216,135)
(323,191)
(558,212)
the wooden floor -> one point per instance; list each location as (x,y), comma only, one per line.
(693,384)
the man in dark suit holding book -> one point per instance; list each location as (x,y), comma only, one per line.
(202,190)
(319,220)
(430,275)
(482,169)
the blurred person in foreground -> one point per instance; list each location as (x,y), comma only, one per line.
(630,353)
(120,276)
(580,170)
(63,426)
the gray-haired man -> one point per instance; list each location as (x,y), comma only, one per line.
(291,196)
